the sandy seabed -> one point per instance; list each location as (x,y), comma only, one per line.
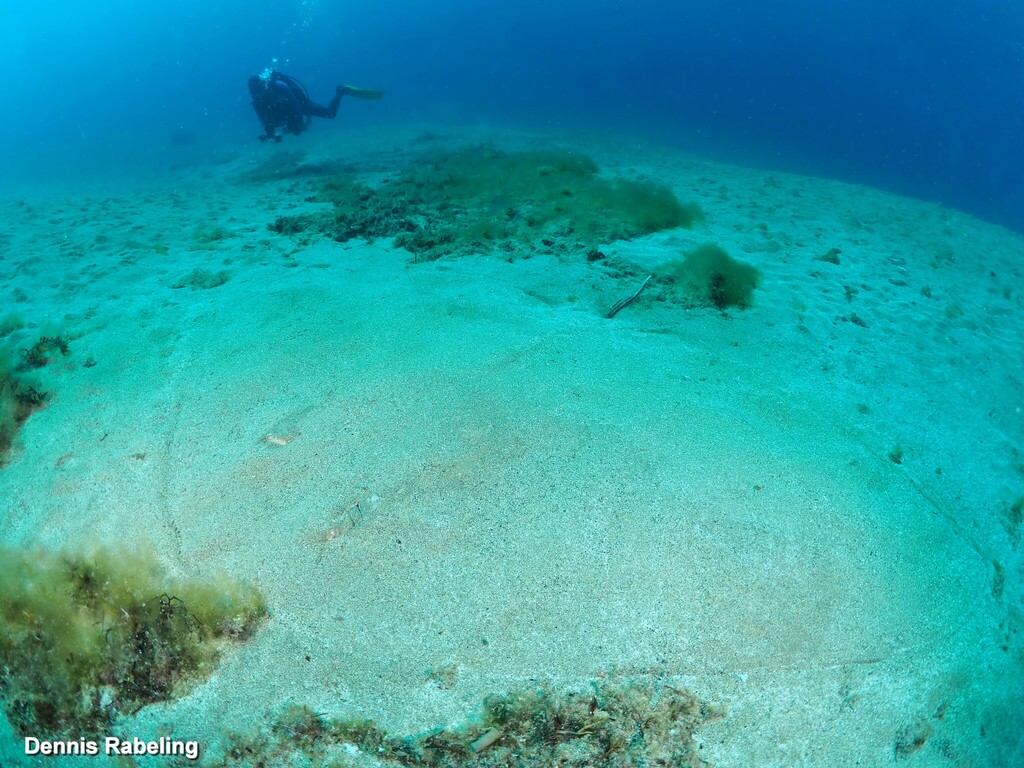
(804,508)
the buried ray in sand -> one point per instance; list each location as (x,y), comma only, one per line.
(774,497)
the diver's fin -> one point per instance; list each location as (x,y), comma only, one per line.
(369,94)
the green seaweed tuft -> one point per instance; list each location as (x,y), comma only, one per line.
(708,276)
(10,323)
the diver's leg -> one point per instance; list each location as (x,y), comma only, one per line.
(331,110)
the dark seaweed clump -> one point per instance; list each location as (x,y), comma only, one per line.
(41,353)
(19,398)
(20,394)
(484,200)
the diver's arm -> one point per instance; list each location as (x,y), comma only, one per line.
(261,113)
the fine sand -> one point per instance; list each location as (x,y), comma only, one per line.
(462,470)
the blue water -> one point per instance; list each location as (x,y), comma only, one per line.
(922,98)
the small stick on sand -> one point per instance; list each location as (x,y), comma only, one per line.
(621,303)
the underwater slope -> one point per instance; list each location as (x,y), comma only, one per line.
(462,465)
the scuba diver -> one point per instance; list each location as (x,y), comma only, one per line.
(283,105)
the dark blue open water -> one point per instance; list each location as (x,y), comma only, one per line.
(922,98)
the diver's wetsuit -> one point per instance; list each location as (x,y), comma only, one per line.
(283,105)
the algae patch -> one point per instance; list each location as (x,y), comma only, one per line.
(84,638)
(485,200)
(615,722)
